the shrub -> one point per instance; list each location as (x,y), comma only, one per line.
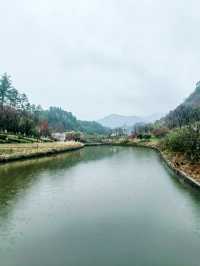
(186,140)
(147,136)
(160,132)
(140,136)
(144,136)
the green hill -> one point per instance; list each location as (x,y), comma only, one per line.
(60,120)
(186,113)
(194,99)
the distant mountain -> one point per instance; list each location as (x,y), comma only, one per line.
(115,120)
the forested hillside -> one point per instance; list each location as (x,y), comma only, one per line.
(186,113)
(58,120)
(194,99)
(19,116)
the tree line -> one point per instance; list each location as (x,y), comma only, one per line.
(19,116)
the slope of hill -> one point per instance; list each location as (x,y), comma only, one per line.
(194,99)
(115,120)
(186,113)
(60,120)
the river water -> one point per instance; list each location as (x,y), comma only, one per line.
(99,206)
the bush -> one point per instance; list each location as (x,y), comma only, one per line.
(3,136)
(186,140)
(160,132)
(144,136)
(147,136)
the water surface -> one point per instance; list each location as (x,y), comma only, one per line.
(98,206)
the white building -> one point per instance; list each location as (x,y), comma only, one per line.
(58,136)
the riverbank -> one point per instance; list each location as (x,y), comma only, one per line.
(14,152)
(185,169)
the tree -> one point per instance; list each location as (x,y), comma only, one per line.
(13,97)
(73,135)
(24,103)
(5,87)
(43,128)
(183,115)
(160,132)
(185,140)
(18,115)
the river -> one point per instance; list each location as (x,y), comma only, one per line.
(99,206)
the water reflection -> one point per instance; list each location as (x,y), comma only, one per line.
(97,206)
(17,177)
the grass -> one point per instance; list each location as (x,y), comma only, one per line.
(153,142)
(18,151)
(14,138)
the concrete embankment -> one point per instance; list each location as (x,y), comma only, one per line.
(181,175)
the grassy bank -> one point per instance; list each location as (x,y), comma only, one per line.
(12,152)
(12,138)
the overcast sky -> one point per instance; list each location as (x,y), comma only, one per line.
(96,57)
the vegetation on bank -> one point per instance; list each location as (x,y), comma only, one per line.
(185,140)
